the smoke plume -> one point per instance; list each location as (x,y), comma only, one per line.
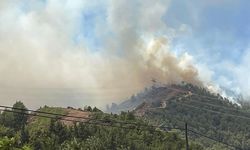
(42,63)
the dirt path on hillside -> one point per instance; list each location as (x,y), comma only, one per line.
(83,116)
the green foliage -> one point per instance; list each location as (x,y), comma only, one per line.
(9,144)
(24,137)
(6,143)
(14,120)
(193,110)
(7,119)
(44,134)
(96,110)
(5,131)
(19,119)
(88,108)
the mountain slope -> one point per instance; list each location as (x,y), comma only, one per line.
(204,112)
(153,95)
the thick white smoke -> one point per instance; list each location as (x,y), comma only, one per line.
(42,64)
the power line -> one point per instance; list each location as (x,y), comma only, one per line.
(42,112)
(91,123)
(87,118)
(211,138)
(111,125)
(200,125)
(55,114)
(78,121)
(205,136)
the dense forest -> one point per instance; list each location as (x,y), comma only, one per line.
(20,131)
(207,113)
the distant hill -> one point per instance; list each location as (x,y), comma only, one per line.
(206,112)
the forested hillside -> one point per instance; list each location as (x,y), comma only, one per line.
(156,120)
(204,112)
(43,130)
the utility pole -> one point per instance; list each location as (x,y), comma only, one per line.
(186,134)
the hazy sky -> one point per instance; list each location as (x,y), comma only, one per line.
(81,52)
